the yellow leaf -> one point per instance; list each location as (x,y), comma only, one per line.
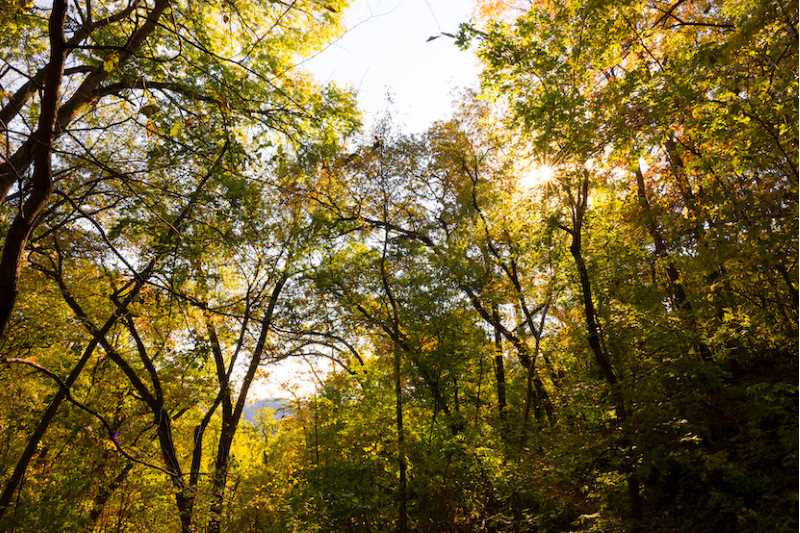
(110,62)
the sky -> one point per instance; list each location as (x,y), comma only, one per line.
(385,51)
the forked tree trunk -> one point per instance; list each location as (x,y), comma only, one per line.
(232,414)
(601,356)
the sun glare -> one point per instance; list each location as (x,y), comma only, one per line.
(535,175)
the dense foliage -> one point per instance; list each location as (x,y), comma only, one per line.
(571,307)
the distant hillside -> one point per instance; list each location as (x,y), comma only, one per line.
(281,407)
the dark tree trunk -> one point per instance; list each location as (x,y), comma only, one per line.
(220,479)
(231,414)
(97,338)
(601,356)
(402,513)
(36,150)
(604,362)
(499,367)
(42,140)
(85,94)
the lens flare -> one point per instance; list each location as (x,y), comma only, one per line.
(536,175)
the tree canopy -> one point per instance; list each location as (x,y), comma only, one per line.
(571,306)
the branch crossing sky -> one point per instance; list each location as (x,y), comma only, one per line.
(386,51)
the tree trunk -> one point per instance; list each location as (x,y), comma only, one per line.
(33,442)
(604,362)
(478,394)
(185,504)
(220,479)
(42,140)
(85,94)
(37,148)
(231,415)
(499,367)
(402,516)
(601,356)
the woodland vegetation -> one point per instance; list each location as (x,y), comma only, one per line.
(571,307)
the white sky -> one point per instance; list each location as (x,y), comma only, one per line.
(385,51)
(288,377)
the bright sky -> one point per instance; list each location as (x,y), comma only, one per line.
(385,51)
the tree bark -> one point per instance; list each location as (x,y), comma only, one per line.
(184,498)
(37,149)
(604,362)
(402,491)
(601,356)
(84,95)
(232,415)
(402,512)
(499,367)
(20,97)
(42,140)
